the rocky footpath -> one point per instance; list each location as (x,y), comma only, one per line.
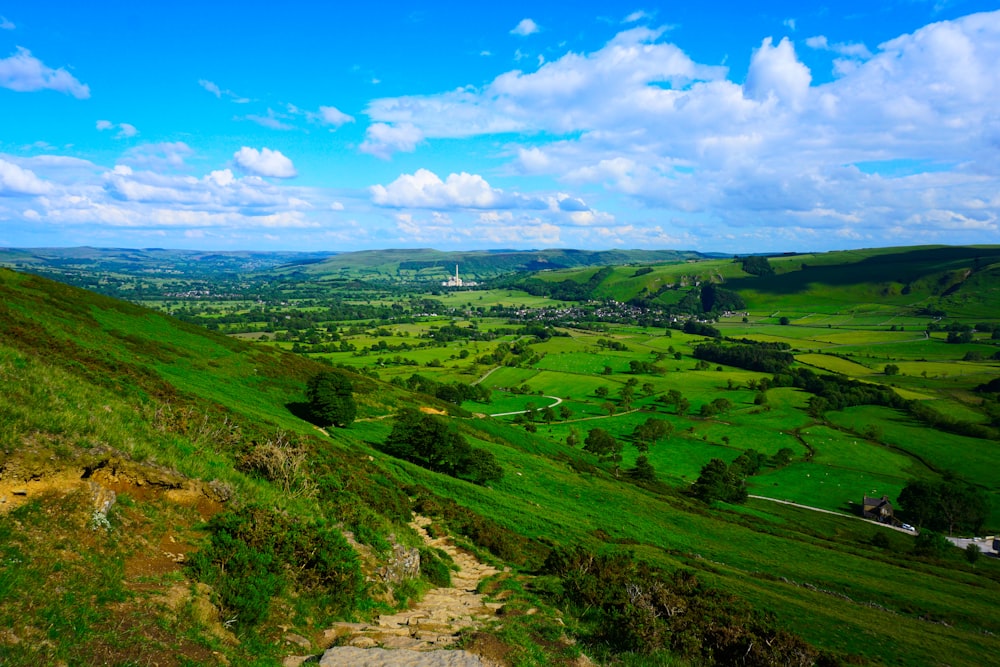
(415,637)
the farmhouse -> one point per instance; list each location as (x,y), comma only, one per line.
(878,509)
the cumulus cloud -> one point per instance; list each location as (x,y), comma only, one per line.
(424,189)
(770,158)
(524,28)
(5,24)
(852,50)
(465,193)
(632,80)
(125,130)
(265,162)
(775,71)
(23,72)
(334,116)
(15,180)
(383,139)
(161,156)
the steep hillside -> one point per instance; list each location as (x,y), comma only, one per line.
(164,502)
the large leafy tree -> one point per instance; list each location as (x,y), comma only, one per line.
(331,399)
(430,442)
(946,505)
(602,443)
(719,481)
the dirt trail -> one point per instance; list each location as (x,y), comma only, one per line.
(413,636)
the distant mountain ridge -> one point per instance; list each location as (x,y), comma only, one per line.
(416,264)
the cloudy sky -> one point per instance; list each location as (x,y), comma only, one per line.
(722,127)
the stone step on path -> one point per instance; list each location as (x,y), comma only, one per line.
(415,637)
(348,656)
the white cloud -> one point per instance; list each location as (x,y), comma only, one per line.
(25,73)
(5,24)
(789,23)
(167,155)
(524,28)
(334,116)
(336,206)
(273,120)
(382,139)
(853,50)
(15,180)
(770,159)
(214,88)
(424,189)
(125,130)
(265,162)
(636,16)
(775,71)
(210,87)
(631,81)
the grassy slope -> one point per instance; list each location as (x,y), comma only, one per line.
(814,572)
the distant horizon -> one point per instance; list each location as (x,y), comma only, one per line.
(492,250)
(256,126)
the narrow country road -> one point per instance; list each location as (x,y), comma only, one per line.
(848,516)
(521,412)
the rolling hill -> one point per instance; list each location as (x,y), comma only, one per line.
(164,501)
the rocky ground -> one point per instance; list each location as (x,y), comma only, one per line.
(420,636)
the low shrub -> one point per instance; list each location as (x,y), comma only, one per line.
(255,554)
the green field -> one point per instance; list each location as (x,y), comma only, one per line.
(87,375)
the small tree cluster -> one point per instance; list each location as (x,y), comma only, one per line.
(603,444)
(947,505)
(430,442)
(719,481)
(331,399)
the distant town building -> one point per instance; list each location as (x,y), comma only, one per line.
(455,281)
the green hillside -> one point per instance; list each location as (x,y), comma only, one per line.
(226,531)
(427,264)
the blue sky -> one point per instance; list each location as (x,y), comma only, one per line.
(708,126)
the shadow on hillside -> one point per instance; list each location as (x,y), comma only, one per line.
(904,268)
(301,410)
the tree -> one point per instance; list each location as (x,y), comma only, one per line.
(331,399)
(648,389)
(972,553)
(931,544)
(782,458)
(643,470)
(565,412)
(603,444)
(427,441)
(946,505)
(548,415)
(627,394)
(650,431)
(891,369)
(784,321)
(602,392)
(718,481)
(430,442)
(482,467)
